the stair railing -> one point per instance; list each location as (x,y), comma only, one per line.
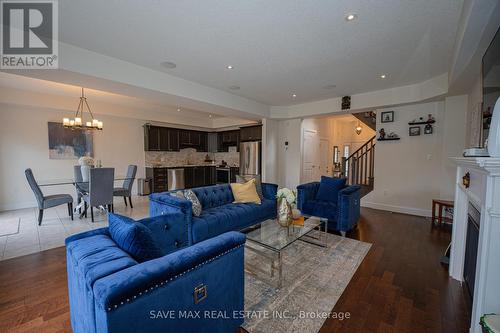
(359,167)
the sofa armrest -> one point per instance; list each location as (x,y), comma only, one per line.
(134,295)
(90,233)
(348,207)
(306,192)
(162,203)
(269,190)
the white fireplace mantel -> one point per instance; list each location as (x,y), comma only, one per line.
(484,193)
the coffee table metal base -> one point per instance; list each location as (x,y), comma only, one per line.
(274,258)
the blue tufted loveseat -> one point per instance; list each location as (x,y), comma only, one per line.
(111,292)
(219,214)
(342,214)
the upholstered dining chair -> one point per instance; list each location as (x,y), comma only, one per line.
(100,190)
(126,189)
(48,201)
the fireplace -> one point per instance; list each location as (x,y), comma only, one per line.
(471,246)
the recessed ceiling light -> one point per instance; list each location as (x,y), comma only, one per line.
(330,86)
(351,17)
(209,116)
(178,109)
(234,87)
(294,95)
(383,76)
(229,67)
(168,64)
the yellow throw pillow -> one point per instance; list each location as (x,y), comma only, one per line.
(245,193)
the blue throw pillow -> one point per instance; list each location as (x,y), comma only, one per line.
(329,188)
(133,237)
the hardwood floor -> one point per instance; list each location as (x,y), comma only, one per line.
(399,287)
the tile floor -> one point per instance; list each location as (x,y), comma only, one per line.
(56,226)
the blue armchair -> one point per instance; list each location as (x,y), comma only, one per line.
(342,215)
(195,288)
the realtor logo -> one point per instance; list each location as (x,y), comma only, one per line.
(29,34)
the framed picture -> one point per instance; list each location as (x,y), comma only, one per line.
(67,143)
(387,116)
(414,130)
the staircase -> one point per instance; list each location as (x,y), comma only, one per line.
(368,118)
(359,167)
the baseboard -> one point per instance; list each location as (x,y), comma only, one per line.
(397,209)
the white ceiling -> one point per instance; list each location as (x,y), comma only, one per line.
(277,47)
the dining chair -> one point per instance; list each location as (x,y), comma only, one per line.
(80,187)
(126,189)
(48,201)
(100,190)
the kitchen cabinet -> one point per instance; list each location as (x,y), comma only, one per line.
(197,176)
(158,138)
(151,138)
(193,139)
(228,139)
(251,133)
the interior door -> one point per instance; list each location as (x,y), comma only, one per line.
(310,157)
(324,153)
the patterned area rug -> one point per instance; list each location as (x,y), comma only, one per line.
(314,279)
(9,227)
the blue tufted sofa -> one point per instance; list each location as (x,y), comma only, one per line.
(219,214)
(342,215)
(109,291)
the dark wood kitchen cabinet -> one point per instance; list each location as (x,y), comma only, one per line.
(157,138)
(251,133)
(151,138)
(193,139)
(228,139)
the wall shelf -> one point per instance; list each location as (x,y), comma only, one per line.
(388,139)
(422,122)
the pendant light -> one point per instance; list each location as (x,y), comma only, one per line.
(358,129)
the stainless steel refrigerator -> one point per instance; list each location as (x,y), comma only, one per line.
(250,158)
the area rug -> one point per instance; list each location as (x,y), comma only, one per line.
(9,227)
(314,279)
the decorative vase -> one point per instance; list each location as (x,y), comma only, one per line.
(494,135)
(284,212)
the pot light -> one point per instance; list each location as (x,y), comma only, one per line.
(294,95)
(234,87)
(350,17)
(330,86)
(209,116)
(229,67)
(178,109)
(383,76)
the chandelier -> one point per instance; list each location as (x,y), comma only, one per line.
(77,122)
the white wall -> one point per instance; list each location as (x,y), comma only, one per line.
(270,146)
(289,159)
(410,172)
(24,144)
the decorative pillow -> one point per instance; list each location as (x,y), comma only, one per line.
(245,193)
(133,237)
(189,195)
(329,188)
(258,183)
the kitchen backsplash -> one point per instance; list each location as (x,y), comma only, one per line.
(188,156)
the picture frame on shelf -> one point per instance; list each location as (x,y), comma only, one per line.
(387,116)
(414,131)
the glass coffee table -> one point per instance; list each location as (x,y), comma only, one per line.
(269,235)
